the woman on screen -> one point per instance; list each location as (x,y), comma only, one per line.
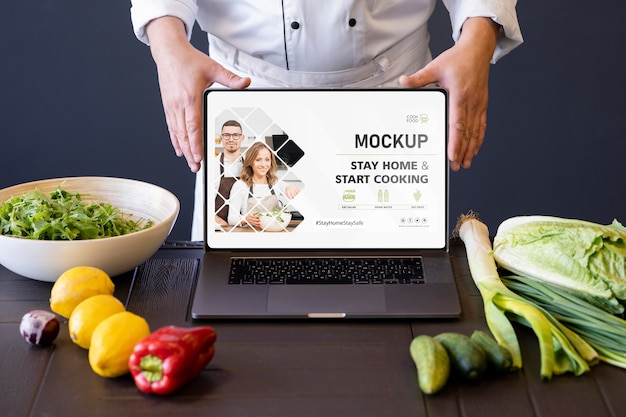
(255,191)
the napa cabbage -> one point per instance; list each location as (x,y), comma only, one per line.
(584,258)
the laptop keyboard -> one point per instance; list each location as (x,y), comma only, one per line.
(285,271)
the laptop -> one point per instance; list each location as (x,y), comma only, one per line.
(359,190)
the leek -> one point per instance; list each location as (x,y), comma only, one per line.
(605,332)
(560,351)
(583,258)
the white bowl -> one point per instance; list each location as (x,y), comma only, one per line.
(46,260)
(270,223)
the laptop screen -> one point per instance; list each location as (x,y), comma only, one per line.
(349,169)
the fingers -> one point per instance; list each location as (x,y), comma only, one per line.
(468,124)
(464,74)
(233,81)
(466,134)
(477,138)
(291,191)
(253,220)
(185,128)
(193,127)
(183,112)
(422,78)
(171,127)
(218,74)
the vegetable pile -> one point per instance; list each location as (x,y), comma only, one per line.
(63,215)
(119,341)
(455,354)
(566,279)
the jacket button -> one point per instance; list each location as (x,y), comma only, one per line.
(295,25)
(352,22)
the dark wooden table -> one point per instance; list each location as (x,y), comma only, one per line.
(286,368)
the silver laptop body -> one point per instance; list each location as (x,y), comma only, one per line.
(370,171)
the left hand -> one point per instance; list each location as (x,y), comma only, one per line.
(463,70)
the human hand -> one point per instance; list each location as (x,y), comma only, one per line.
(221,222)
(184,73)
(464,71)
(253,220)
(291,191)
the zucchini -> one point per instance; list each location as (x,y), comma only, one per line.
(466,357)
(499,358)
(432,362)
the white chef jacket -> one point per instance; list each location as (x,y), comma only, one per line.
(334,43)
(323,43)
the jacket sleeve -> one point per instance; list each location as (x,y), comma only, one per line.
(500,11)
(239,197)
(143,11)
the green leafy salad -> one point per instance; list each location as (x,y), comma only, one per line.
(276,213)
(63,215)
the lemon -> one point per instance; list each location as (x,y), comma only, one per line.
(88,314)
(112,343)
(77,284)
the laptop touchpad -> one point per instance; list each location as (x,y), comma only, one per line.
(326,299)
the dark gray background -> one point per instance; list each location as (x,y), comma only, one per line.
(80,97)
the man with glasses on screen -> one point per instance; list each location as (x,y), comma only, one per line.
(228,168)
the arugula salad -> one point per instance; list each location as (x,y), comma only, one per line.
(63,215)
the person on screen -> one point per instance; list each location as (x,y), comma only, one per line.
(337,44)
(255,191)
(228,168)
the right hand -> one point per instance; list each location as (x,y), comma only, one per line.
(184,73)
(464,71)
(253,220)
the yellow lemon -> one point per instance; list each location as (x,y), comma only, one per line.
(88,314)
(77,284)
(112,343)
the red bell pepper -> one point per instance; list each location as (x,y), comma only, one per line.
(170,357)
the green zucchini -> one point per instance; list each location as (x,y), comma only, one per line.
(498,357)
(467,358)
(432,362)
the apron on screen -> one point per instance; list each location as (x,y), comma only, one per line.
(262,204)
(223,192)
